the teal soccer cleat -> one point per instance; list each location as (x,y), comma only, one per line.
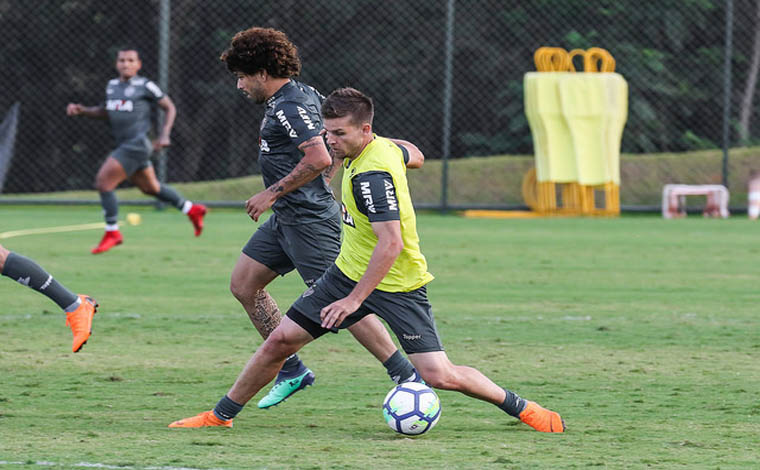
(285,388)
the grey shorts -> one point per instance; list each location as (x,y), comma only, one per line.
(134,155)
(409,314)
(308,248)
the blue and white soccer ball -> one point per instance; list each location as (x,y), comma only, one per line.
(411,408)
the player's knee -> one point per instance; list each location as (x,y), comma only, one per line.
(243,288)
(150,190)
(101,185)
(443,379)
(3,255)
(240,290)
(278,345)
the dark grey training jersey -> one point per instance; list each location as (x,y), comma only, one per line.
(129,104)
(291,118)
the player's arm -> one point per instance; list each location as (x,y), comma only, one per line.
(170,114)
(415,156)
(382,210)
(78,109)
(388,247)
(331,169)
(315,160)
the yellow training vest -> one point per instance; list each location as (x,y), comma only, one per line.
(409,271)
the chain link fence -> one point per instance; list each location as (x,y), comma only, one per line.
(445,74)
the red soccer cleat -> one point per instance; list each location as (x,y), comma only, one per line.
(109,240)
(196,213)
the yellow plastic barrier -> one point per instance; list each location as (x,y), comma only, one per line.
(617,114)
(584,101)
(555,159)
(576,121)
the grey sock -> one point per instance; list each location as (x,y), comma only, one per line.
(227,409)
(25,271)
(170,195)
(398,367)
(110,207)
(513,404)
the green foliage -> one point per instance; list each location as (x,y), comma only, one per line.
(671,53)
(641,332)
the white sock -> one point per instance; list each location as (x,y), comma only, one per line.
(754,204)
(112,227)
(186,207)
(73,306)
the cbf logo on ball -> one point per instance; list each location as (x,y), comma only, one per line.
(411,408)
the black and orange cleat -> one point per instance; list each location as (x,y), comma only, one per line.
(80,321)
(202,420)
(541,419)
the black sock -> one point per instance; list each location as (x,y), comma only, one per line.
(168,194)
(25,271)
(398,367)
(292,368)
(227,409)
(110,207)
(513,404)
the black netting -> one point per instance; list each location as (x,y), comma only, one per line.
(671,52)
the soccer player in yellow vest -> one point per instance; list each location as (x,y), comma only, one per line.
(380,269)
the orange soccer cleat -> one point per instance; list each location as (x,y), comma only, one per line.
(80,321)
(109,240)
(541,419)
(205,419)
(196,213)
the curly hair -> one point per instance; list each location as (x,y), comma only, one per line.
(258,49)
(349,101)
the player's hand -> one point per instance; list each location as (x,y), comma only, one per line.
(258,204)
(161,142)
(74,109)
(334,314)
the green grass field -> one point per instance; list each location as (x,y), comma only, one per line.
(644,334)
(495,180)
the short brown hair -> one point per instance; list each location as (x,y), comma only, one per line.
(349,101)
(258,49)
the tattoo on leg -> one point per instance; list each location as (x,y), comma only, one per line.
(266,315)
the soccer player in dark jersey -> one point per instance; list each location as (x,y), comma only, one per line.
(304,231)
(129,101)
(79,309)
(380,269)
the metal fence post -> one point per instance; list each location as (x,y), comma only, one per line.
(727,87)
(163,79)
(447,86)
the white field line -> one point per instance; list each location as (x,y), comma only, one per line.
(43,463)
(59,229)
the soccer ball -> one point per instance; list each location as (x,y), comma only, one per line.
(411,408)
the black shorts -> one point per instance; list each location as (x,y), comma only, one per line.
(134,155)
(409,314)
(309,248)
